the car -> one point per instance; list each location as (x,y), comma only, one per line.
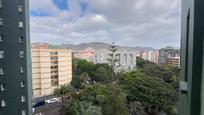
(53,100)
(38,104)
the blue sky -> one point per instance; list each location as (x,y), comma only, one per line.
(152,23)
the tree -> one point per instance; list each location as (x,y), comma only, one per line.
(153,93)
(84,77)
(115,101)
(64,91)
(113,60)
(76,82)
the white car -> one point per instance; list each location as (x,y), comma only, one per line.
(53,100)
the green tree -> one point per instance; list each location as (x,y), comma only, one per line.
(153,93)
(84,77)
(64,91)
(115,101)
(76,82)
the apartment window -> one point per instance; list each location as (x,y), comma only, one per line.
(21,54)
(20,39)
(1,21)
(22,98)
(20,24)
(1,54)
(3,103)
(1,38)
(21,70)
(22,84)
(3,87)
(1,4)
(23,112)
(1,71)
(20,8)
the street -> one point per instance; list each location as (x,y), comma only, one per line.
(48,109)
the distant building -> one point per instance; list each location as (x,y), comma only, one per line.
(97,55)
(51,68)
(151,56)
(166,53)
(87,54)
(175,61)
(127,58)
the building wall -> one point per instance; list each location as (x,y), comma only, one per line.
(51,68)
(15,60)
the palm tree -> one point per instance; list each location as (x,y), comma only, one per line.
(64,91)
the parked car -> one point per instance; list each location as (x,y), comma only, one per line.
(53,100)
(38,104)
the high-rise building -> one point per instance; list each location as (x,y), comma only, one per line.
(51,68)
(175,61)
(167,52)
(192,58)
(151,56)
(15,60)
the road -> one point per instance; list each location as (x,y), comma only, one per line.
(48,109)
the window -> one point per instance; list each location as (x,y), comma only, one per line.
(20,24)
(3,87)
(1,4)
(23,112)
(1,71)
(20,8)
(1,21)
(3,103)
(1,54)
(21,70)
(20,39)
(22,98)
(21,54)
(1,38)
(22,84)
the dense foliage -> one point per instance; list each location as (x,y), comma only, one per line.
(149,90)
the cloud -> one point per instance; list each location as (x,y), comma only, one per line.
(152,23)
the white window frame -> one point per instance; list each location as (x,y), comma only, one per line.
(1,22)
(23,112)
(3,103)
(22,84)
(21,54)
(1,71)
(1,4)
(20,8)
(20,24)
(3,87)
(23,99)
(21,70)
(1,38)
(20,39)
(1,54)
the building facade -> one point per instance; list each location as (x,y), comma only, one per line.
(166,53)
(15,60)
(192,69)
(151,56)
(51,69)
(87,54)
(175,61)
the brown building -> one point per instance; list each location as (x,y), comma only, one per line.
(175,61)
(50,69)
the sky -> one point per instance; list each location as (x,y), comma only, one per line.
(150,23)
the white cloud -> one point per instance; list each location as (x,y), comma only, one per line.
(153,23)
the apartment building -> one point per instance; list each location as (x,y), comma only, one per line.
(87,54)
(51,69)
(151,56)
(175,61)
(166,53)
(15,60)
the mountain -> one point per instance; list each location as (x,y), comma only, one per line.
(101,45)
